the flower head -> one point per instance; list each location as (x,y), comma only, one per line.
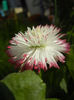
(38,47)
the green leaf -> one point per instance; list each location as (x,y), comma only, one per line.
(63,85)
(25,86)
(70,62)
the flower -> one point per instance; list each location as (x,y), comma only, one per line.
(38,47)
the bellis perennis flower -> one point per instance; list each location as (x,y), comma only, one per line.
(38,47)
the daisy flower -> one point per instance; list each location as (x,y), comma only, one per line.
(38,47)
